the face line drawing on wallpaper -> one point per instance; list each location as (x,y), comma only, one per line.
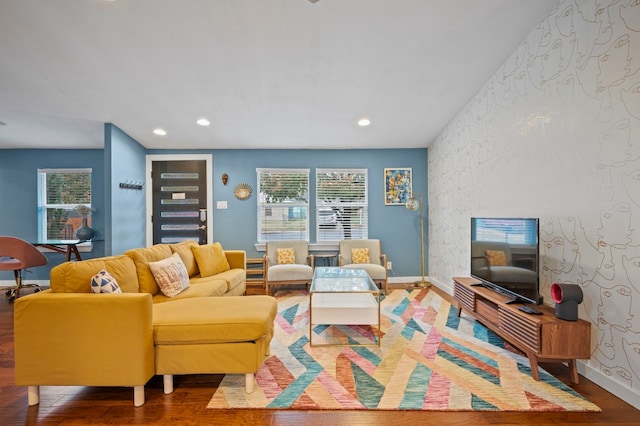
(581,61)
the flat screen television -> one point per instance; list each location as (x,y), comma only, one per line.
(505,256)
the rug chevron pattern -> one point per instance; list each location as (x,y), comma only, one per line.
(429,359)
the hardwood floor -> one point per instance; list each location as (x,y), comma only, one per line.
(186,405)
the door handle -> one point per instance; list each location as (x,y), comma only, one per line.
(202,227)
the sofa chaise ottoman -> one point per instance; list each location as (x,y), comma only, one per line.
(212,335)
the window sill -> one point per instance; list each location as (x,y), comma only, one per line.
(324,246)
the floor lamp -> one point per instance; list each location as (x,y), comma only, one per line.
(415,204)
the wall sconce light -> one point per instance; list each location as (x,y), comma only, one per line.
(567,298)
(225,179)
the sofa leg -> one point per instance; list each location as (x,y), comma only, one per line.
(168,383)
(33,395)
(138,395)
(249,382)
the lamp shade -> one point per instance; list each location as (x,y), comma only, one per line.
(567,298)
(413,204)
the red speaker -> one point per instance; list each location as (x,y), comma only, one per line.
(567,298)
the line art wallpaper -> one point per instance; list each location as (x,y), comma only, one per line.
(555,134)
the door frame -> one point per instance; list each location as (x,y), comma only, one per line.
(149,184)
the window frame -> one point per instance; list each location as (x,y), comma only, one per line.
(339,206)
(44,205)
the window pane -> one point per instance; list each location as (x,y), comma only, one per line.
(56,223)
(283,198)
(68,188)
(341,204)
(64,198)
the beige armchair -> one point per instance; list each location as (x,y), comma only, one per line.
(376,266)
(288,262)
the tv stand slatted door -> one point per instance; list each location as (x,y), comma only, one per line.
(541,337)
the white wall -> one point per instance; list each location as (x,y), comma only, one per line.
(555,134)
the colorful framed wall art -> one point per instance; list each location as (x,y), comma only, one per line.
(397,186)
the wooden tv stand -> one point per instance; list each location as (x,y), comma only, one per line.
(541,337)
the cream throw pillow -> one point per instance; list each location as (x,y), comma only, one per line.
(360,255)
(496,258)
(171,275)
(286,256)
(211,259)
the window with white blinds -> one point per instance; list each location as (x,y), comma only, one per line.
(283,204)
(342,211)
(64,197)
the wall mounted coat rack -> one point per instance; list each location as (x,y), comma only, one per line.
(130,185)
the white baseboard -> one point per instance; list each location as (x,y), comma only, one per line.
(618,389)
(447,288)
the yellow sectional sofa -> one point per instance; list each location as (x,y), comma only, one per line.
(70,336)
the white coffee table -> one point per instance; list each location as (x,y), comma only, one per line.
(341,296)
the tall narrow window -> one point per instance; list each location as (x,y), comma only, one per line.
(64,195)
(341,204)
(283,204)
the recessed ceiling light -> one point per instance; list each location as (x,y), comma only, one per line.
(160,132)
(364,122)
(203,122)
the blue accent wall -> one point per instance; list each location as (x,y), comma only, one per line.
(125,161)
(397,227)
(119,219)
(18,196)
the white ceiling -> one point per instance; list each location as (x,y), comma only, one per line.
(266,73)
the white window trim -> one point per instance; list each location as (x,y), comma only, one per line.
(86,246)
(318,202)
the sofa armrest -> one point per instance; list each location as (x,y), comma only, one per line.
(237,259)
(84,339)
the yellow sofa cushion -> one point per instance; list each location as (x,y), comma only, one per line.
(75,277)
(141,257)
(186,254)
(211,259)
(213,320)
(199,287)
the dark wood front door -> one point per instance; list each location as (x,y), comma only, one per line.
(179,201)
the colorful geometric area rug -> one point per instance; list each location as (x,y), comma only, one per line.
(428,359)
